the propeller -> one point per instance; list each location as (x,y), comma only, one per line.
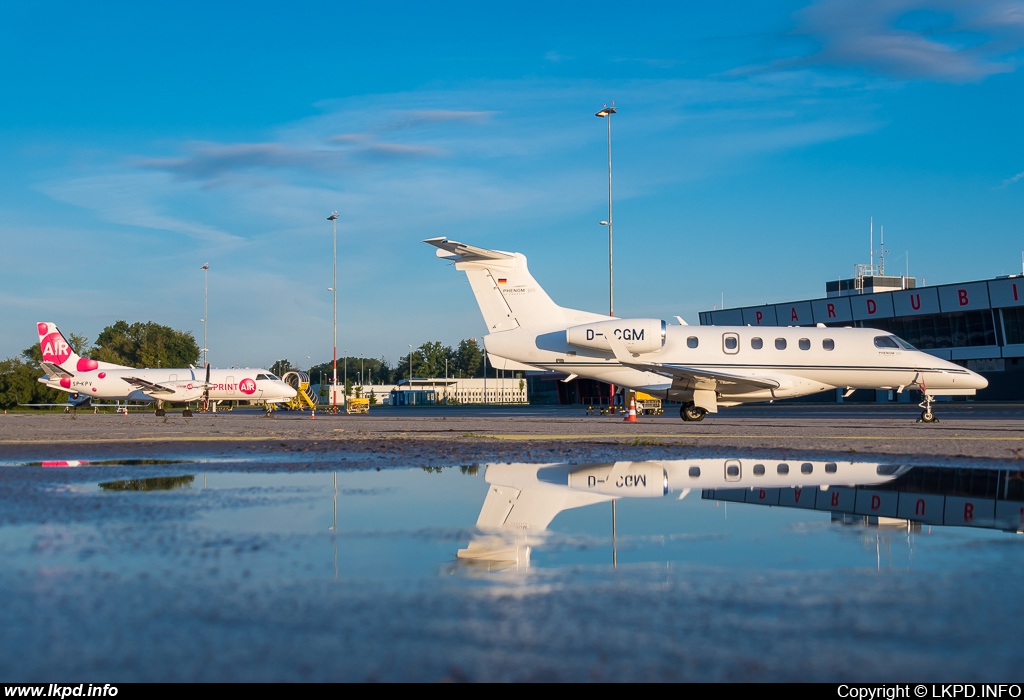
(206,391)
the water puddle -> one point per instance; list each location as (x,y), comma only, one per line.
(714,558)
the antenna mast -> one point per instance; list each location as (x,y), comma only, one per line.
(881,254)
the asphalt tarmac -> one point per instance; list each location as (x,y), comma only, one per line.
(433,435)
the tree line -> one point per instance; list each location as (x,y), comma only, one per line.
(431,359)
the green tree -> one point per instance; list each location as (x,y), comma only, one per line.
(467,358)
(19,380)
(281,367)
(430,359)
(145,345)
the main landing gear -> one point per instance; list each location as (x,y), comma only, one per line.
(689,412)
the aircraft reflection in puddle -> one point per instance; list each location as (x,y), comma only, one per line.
(523,499)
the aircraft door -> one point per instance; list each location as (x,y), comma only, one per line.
(733,470)
(730,343)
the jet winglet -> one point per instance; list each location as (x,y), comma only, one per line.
(460,252)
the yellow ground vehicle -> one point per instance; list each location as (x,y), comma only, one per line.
(354,404)
(648,405)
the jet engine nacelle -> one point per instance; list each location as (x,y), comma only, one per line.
(639,335)
(635,481)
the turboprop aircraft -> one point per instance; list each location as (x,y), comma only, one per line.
(84,377)
(704,367)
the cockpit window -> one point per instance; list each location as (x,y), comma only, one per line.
(274,377)
(886,341)
(260,376)
(903,344)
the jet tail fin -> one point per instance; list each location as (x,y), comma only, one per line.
(506,292)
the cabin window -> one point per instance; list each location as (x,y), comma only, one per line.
(732,471)
(830,467)
(783,469)
(756,343)
(780,343)
(694,471)
(886,341)
(691,342)
(758,470)
(806,468)
(828,344)
(730,342)
(805,344)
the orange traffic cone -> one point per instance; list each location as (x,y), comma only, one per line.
(631,416)
(312,414)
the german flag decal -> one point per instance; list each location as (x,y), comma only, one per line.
(502,280)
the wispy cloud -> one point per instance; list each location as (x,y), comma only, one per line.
(204,161)
(131,200)
(1012,180)
(413,118)
(942,40)
(462,164)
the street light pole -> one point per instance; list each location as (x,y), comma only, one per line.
(206,297)
(333,218)
(606,113)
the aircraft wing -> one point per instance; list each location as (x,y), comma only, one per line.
(53,370)
(699,378)
(66,404)
(148,386)
(460,252)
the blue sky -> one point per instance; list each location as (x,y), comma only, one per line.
(752,144)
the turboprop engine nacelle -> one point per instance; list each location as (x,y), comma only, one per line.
(639,335)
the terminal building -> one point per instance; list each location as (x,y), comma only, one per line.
(979,324)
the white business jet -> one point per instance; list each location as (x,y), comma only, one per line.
(84,378)
(704,367)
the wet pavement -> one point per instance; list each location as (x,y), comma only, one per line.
(512,544)
(966,430)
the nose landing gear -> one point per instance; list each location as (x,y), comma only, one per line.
(927,415)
